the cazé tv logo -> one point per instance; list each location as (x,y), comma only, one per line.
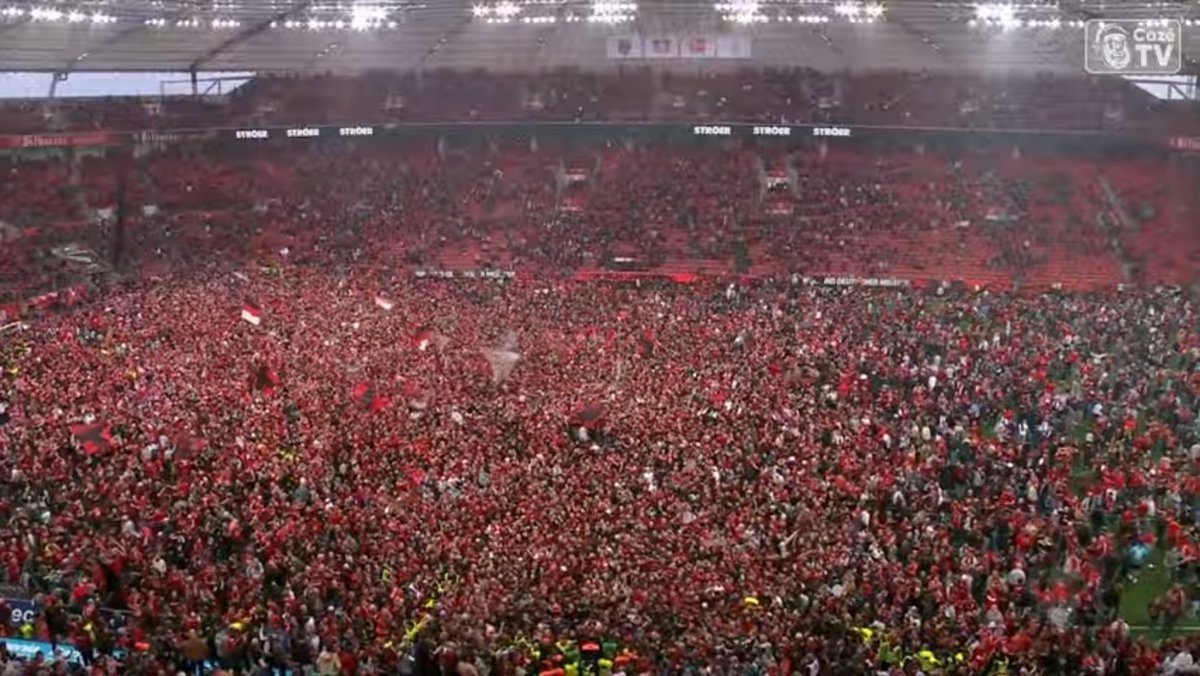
(1133,47)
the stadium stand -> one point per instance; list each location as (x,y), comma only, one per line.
(780,95)
(507,399)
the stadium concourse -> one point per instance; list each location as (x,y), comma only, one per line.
(518,400)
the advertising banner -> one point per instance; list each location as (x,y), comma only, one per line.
(99,138)
(686,47)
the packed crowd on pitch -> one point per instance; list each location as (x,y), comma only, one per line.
(317,466)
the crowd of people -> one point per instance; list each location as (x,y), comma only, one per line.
(799,95)
(261,425)
(991,217)
(774,478)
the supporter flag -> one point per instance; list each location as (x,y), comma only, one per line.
(590,416)
(384,304)
(93,437)
(700,48)
(252,313)
(423,340)
(646,342)
(266,380)
(418,398)
(502,363)
(428,338)
(365,397)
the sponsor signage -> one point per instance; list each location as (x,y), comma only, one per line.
(23,610)
(303,132)
(152,137)
(1185,143)
(712,130)
(886,282)
(1133,47)
(28,651)
(56,140)
(251,134)
(772,131)
(437,273)
(686,47)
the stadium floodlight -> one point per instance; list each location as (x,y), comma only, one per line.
(741,11)
(75,17)
(12,11)
(611,18)
(859,12)
(99,18)
(45,14)
(747,18)
(737,6)
(997,14)
(612,11)
(363,17)
(613,7)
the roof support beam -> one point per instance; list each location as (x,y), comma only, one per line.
(248,33)
(111,40)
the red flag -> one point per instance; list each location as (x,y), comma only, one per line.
(92,438)
(591,416)
(252,313)
(266,380)
(422,341)
(364,395)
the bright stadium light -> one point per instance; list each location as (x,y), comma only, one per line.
(859,12)
(737,6)
(364,17)
(741,11)
(612,7)
(45,14)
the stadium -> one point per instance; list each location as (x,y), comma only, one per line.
(599,337)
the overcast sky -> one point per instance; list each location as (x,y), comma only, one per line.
(37,85)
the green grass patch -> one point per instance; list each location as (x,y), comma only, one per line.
(1152,583)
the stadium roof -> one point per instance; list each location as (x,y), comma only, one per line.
(352,35)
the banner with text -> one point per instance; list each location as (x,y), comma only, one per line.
(679,47)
